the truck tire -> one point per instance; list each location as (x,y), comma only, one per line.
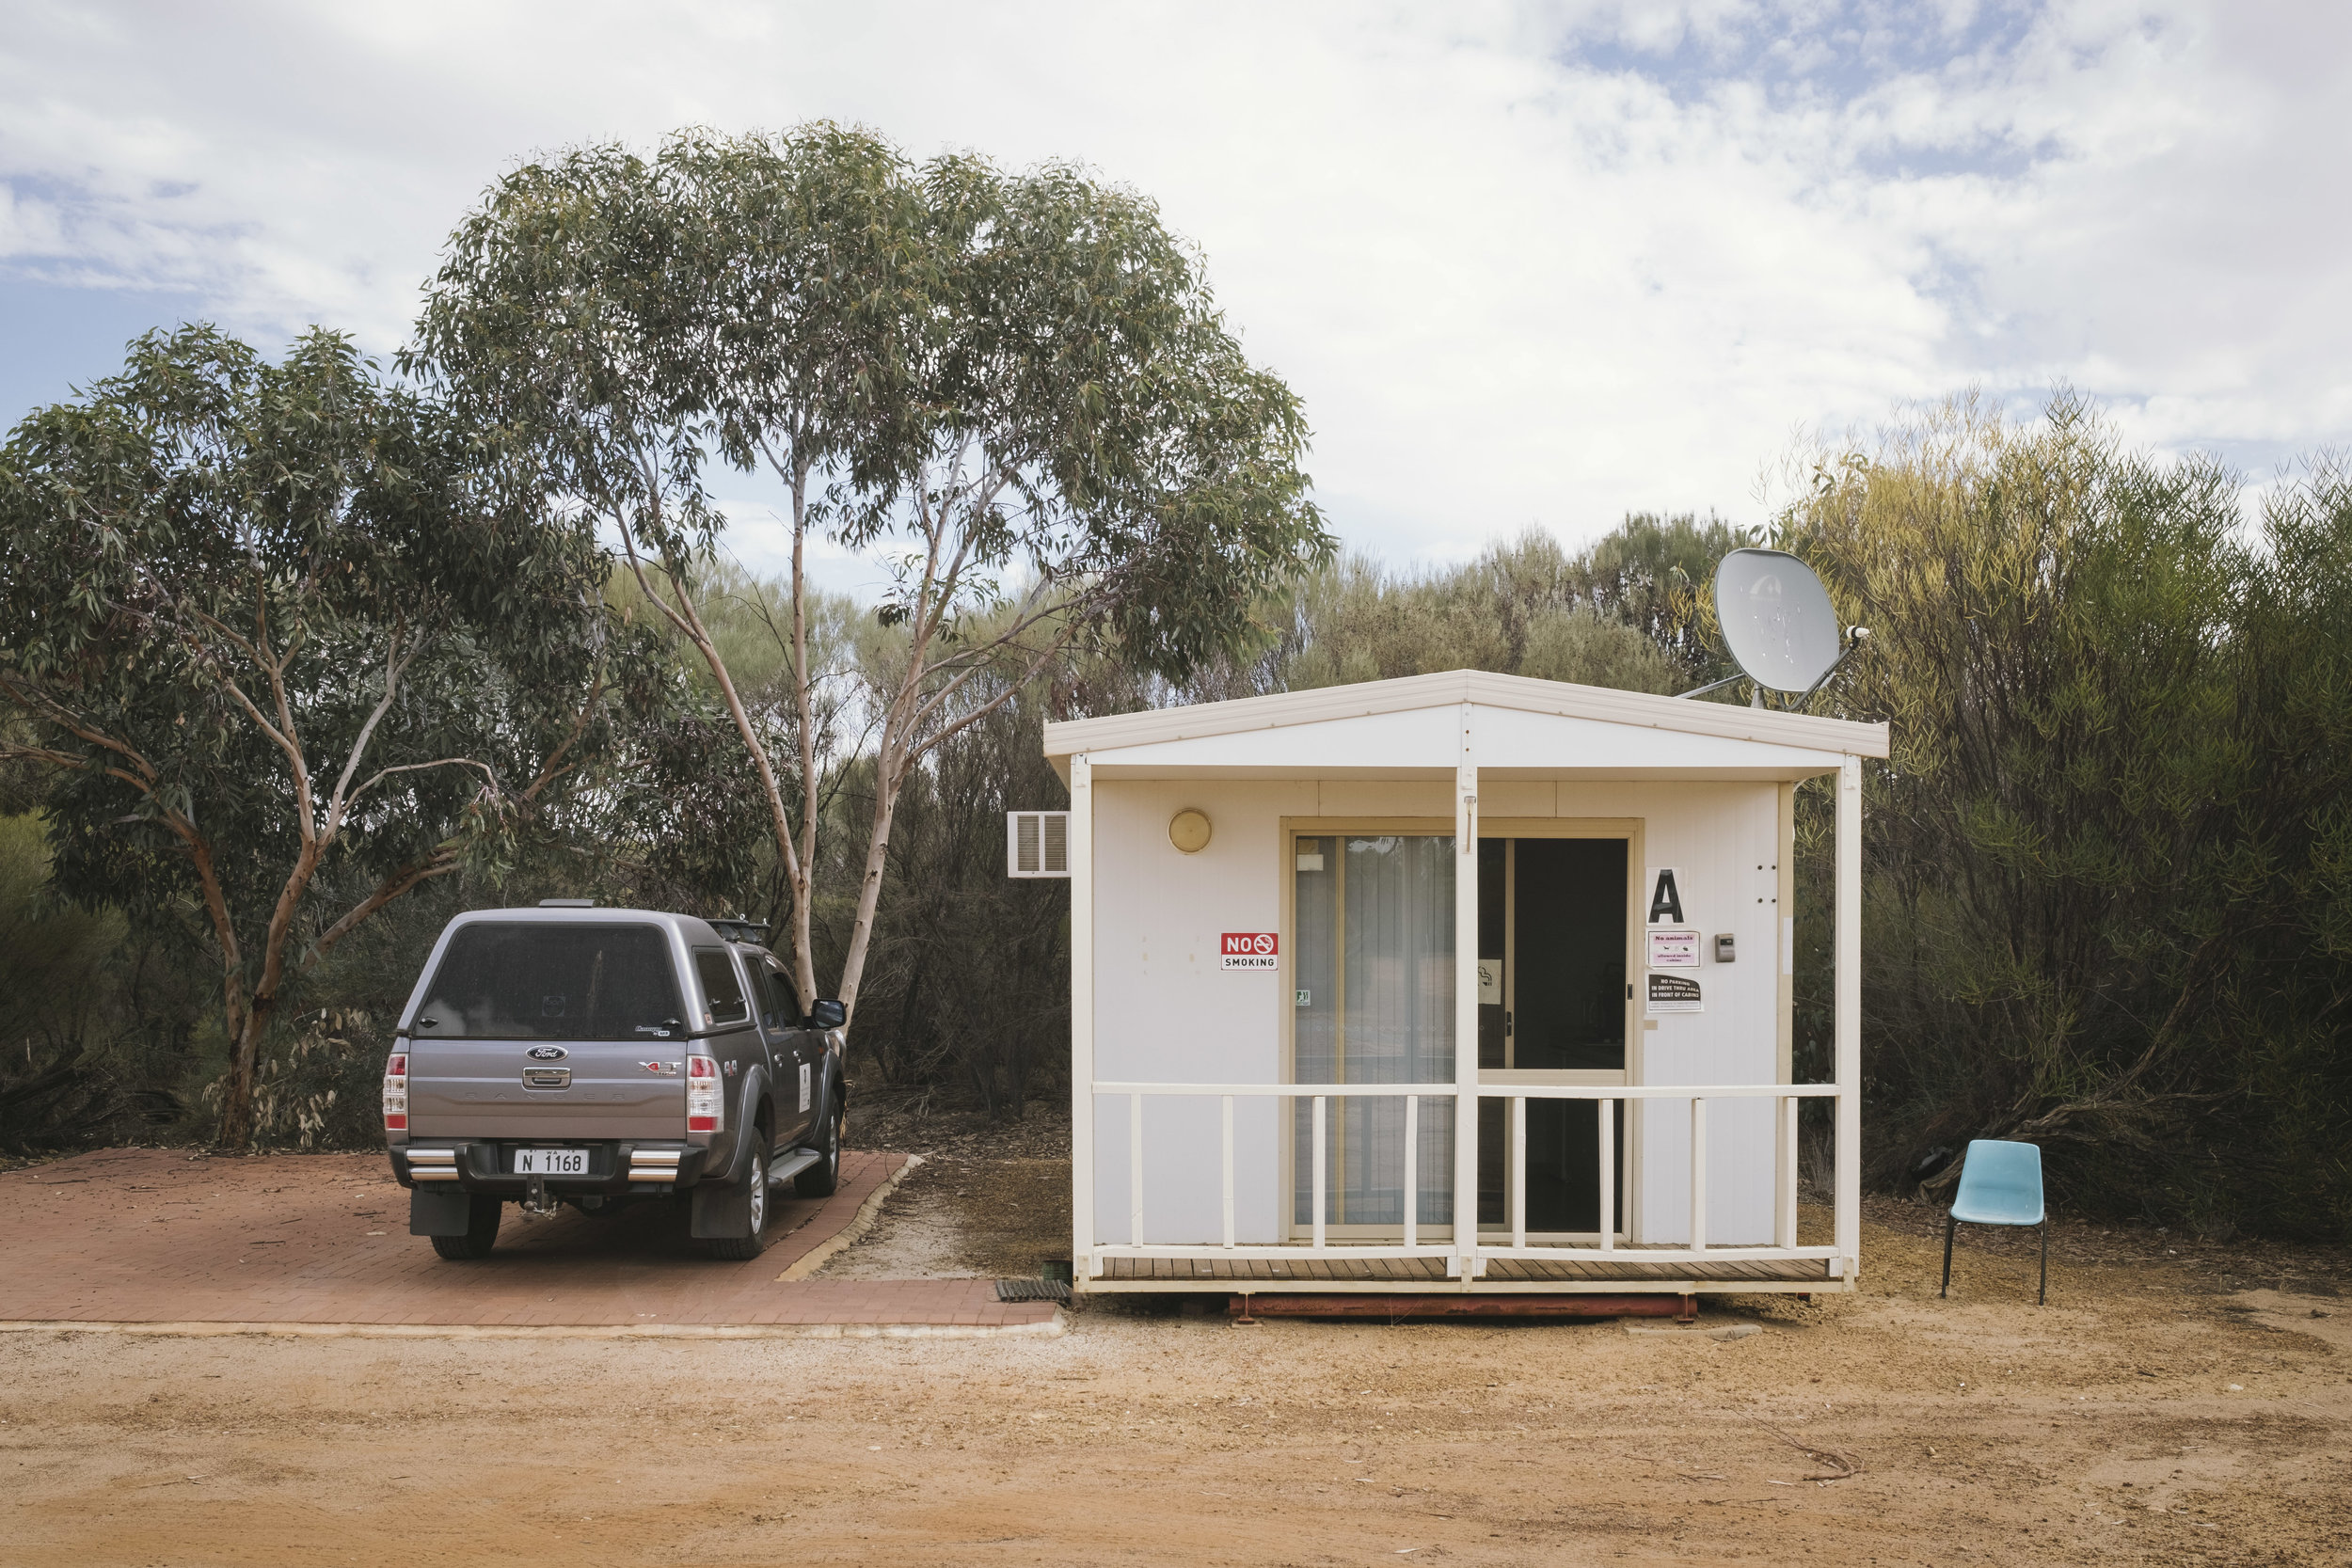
(822,1178)
(482,1231)
(740,1249)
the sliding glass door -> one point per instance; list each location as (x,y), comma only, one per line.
(1373,967)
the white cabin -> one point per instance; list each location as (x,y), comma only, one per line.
(1457,983)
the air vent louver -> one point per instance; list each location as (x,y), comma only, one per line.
(1037,843)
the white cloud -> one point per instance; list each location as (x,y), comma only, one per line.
(1526,265)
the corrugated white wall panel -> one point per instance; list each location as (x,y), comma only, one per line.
(1167,1012)
(1722,841)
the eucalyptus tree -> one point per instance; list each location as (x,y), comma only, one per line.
(2076,856)
(296,643)
(1016,387)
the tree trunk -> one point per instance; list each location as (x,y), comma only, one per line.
(244,1052)
(889,777)
(236,1131)
(802,865)
(687,619)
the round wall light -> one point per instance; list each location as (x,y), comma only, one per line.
(1189,831)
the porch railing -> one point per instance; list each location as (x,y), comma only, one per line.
(1604,1099)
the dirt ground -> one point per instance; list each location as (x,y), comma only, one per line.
(987,1200)
(2173,1403)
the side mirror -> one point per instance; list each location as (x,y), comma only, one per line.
(827,1014)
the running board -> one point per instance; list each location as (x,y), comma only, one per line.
(792,1165)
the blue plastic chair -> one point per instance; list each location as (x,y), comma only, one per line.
(1999,1184)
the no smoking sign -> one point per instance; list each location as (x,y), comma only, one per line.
(1247,950)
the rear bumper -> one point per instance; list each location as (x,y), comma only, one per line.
(615,1167)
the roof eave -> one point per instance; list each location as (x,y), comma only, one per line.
(1322,704)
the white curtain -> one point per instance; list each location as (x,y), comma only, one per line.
(1374,943)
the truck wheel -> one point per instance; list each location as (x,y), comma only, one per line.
(738,1249)
(482,1231)
(820,1179)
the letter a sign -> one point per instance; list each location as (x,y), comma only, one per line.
(1247,949)
(1665,898)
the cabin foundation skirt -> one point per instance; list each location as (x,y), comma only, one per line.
(1428,1276)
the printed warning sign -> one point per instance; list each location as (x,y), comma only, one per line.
(1674,994)
(1247,950)
(1677,948)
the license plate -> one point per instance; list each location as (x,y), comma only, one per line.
(551,1161)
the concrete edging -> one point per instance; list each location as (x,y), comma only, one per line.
(849,1235)
(1052,1328)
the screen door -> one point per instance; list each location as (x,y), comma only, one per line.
(1372,968)
(1553,926)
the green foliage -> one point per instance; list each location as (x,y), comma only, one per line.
(1617,613)
(2101,913)
(54,956)
(293,642)
(1017,386)
(1087,416)
(315,1087)
(101,1013)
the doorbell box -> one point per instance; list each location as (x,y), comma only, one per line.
(1725,951)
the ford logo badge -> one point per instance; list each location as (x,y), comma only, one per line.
(548,1052)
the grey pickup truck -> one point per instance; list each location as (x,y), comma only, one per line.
(602,1057)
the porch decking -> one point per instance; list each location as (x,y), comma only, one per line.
(1429,1274)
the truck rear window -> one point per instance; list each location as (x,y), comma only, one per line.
(548,982)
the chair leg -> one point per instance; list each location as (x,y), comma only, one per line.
(1950,1224)
(2042,1299)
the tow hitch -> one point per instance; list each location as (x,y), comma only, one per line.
(535,1200)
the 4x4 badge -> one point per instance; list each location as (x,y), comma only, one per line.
(546,1052)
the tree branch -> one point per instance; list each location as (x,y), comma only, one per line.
(579,726)
(73,724)
(383,773)
(211,663)
(337,803)
(441,863)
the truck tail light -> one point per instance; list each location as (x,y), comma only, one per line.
(396,1092)
(705,1110)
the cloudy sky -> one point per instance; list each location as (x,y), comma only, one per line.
(1527,264)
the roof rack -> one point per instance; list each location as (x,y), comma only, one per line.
(739,930)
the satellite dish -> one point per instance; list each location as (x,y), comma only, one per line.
(1776,618)
(1778,623)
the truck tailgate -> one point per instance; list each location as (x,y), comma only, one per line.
(461,1088)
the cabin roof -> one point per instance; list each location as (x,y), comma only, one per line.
(1770,742)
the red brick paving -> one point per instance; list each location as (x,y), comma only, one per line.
(150,1236)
